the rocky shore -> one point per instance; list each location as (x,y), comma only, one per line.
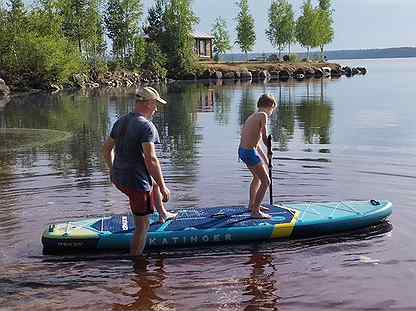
(255,71)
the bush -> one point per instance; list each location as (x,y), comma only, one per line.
(45,58)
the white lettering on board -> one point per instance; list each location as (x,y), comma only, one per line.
(124,223)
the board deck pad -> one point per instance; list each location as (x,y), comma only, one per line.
(188,219)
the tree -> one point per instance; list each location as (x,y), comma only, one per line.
(281,31)
(94,44)
(246,35)
(221,37)
(306,27)
(122,20)
(323,25)
(179,21)
(154,26)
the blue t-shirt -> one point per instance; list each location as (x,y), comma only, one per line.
(129,169)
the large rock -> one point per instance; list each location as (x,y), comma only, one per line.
(246,75)
(284,75)
(229,75)
(309,72)
(299,74)
(274,75)
(4,89)
(216,75)
(319,73)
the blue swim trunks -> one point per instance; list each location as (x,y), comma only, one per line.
(249,156)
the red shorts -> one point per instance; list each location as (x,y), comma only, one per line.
(141,202)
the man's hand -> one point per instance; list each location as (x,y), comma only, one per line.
(165,193)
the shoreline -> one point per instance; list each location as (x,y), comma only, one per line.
(256,71)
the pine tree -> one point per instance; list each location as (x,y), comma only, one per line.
(154,26)
(246,35)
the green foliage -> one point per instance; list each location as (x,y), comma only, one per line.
(246,35)
(122,18)
(293,58)
(325,5)
(306,27)
(179,21)
(323,24)
(154,26)
(221,37)
(281,31)
(138,55)
(37,53)
(155,61)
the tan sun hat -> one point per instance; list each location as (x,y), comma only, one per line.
(148,93)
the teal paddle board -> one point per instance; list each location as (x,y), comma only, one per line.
(224,224)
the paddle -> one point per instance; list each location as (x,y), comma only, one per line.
(270,156)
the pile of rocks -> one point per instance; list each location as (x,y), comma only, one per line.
(276,74)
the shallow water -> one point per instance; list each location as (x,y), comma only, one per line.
(340,139)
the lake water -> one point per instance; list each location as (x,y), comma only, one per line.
(340,139)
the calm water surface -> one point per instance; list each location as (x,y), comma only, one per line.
(342,139)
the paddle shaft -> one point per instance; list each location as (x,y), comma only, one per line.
(270,156)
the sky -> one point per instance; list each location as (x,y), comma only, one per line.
(358,24)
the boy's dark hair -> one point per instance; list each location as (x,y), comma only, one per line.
(266,100)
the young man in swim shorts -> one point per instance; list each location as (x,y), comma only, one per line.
(250,152)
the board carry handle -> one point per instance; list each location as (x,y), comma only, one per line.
(270,164)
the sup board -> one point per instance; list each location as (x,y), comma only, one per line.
(224,224)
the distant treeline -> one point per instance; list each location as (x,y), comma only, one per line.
(403,52)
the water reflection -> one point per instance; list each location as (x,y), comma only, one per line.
(261,285)
(148,280)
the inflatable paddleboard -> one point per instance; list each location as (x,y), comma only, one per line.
(224,224)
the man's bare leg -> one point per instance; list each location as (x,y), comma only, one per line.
(160,207)
(139,236)
(260,172)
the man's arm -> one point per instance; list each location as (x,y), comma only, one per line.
(106,149)
(153,166)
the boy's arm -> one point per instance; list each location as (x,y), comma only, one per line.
(262,154)
(263,128)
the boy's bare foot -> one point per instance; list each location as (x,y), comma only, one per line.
(167,216)
(262,208)
(260,215)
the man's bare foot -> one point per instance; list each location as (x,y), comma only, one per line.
(167,216)
(260,215)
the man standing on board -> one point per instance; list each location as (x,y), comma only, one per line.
(136,169)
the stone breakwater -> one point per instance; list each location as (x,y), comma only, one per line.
(267,71)
(207,71)
(257,72)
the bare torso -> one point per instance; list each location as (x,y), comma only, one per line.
(252,130)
